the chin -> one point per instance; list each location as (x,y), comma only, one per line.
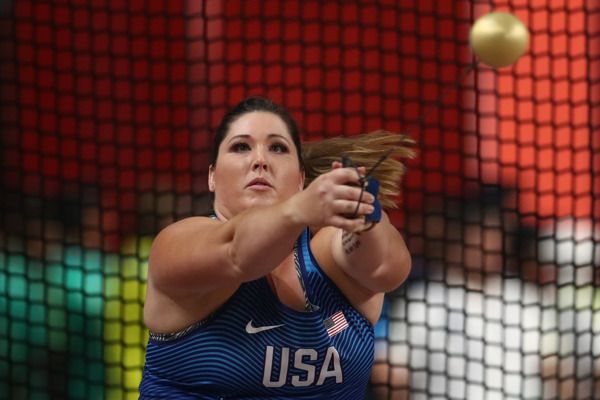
(262,200)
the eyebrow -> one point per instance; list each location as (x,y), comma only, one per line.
(270,135)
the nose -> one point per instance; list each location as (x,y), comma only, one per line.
(260,161)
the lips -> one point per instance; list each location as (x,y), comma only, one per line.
(259,182)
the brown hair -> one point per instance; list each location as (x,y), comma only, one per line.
(364,150)
(315,157)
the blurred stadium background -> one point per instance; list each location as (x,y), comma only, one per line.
(107,110)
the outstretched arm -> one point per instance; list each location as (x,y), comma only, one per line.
(200,255)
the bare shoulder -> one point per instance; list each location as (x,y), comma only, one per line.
(187,251)
(171,235)
(183,225)
(367,302)
(175,247)
(188,276)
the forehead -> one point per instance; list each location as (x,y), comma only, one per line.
(258,124)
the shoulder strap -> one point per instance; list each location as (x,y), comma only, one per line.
(303,276)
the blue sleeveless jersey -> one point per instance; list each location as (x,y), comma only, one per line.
(255,347)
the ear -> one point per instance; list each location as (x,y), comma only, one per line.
(211,178)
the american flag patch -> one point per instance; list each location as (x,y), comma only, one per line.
(335,324)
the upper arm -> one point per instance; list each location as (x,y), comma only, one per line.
(366,301)
(192,256)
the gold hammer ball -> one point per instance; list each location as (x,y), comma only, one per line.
(499,39)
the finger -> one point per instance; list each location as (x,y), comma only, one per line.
(345,176)
(336,165)
(346,192)
(350,208)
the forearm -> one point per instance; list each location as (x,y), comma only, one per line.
(203,254)
(262,237)
(377,258)
(197,254)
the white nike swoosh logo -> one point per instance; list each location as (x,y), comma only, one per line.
(256,329)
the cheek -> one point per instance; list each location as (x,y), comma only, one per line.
(227,175)
(293,182)
(227,179)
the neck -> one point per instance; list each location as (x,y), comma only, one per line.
(219,214)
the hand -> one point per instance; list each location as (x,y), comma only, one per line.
(332,198)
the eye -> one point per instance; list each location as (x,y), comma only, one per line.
(239,147)
(279,148)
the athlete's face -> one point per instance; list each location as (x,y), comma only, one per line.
(257,165)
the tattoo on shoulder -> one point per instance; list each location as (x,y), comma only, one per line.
(350,241)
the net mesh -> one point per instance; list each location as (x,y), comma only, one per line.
(106,114)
